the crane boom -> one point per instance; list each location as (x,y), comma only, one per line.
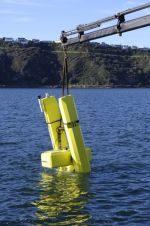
(121,27)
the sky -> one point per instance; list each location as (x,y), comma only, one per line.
(45,19)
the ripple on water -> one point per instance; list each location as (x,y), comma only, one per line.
(115,125)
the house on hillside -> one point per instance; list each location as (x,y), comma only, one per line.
(134,47)
(8,39)
(22,41)
(125,47)
(35,40)
(46,41)
(145,49)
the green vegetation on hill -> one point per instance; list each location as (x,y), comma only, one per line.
(90,64)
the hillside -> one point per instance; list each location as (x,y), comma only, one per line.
(90,64)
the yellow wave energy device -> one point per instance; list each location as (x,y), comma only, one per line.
(74,135)
(69,152)
(53,119)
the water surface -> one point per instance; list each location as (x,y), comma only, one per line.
(115,124)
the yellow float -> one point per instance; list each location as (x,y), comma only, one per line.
(69,152)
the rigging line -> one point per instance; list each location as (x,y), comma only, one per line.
(65,77)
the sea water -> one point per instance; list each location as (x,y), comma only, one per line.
(115,124)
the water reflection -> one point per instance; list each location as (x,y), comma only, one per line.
(63,199)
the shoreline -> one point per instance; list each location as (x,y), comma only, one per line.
(74,87)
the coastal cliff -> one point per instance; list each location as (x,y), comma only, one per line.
(90,65)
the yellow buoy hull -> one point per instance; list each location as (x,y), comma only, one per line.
(69,151)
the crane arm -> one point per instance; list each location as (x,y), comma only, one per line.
(121,27)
